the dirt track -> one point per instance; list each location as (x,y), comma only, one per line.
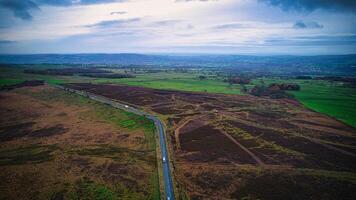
(257,159)
(181,125)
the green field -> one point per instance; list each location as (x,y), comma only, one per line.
(338,102)
(176,81)
(325,97)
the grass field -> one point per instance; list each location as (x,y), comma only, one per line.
(338,102)
(325,97)
(176,81)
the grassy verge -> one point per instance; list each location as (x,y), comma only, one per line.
(86,189)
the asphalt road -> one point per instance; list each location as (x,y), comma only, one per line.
(168,185)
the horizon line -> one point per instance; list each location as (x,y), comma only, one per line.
(178,54)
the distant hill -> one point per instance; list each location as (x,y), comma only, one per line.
(339,64)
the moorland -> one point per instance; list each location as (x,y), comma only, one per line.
(273,128)
(57,145)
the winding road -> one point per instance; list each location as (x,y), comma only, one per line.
(168,184)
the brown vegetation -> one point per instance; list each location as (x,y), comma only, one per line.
(218,139)
(54,145)
(65,71)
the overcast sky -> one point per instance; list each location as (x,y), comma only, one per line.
(178,26)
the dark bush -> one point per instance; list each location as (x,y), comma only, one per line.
(284,86)
(35,71)
(238,80)
(259,90)
(65,71)
(274,91)
(201,77)
(304,77)
(109,75)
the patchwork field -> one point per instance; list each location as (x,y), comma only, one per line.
(330,98)
(57,145)
(325,97)
(246,147)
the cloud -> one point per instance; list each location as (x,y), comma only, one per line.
(322,40)
(72,2)
(4,42)
(167,22)
(112,23)
(307,25)
(232,26)
(189,26)
(195,0)
(22,8)
(118,13)
(311,5)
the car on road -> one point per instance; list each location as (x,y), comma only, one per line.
(164,159)
(126,106)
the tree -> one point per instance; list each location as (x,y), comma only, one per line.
(201,77)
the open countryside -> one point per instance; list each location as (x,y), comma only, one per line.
(177,100)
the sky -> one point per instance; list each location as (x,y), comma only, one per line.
(257,27)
